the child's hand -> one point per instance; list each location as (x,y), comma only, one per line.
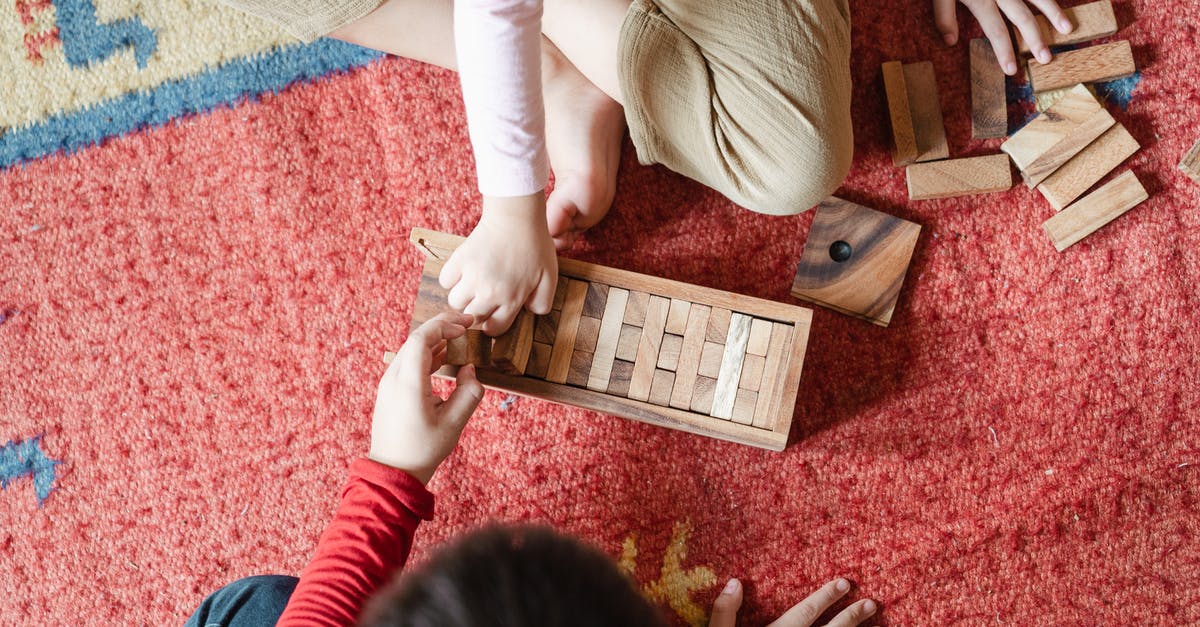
(991,14)
(507,263)
(413,429)
(803,614)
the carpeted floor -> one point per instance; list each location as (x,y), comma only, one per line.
(192,316)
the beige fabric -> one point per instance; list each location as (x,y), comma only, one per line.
(749,97)
(307,19)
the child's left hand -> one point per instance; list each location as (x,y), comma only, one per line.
(413,429)
(991,14)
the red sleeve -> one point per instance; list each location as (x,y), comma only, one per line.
(362,548)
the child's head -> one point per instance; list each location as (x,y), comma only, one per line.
(513,577)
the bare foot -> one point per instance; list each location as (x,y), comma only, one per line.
(584,129)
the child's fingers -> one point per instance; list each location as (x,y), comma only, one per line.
(461,295)
(805,612)
(451,273)
(858,612)
(725,608)
(502,318)
(1019,14)
(945,16)
(463,400)
(1055,14)
(996,30)
(542,297)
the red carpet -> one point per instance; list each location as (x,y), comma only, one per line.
(193,318)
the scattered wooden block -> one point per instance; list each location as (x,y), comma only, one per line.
(1091,128)
(1190,165)
(1090,21)
(710,359)
(635,310)
(752,369)
(926,111)
(668,353)
(539,360)
(768,389)
(731,366)
(677,317)
(877,247)
(581,368)
(660,388)
(1095,210)
(702,395)
(472,348)
(564,336)
(718,325)
(510,350)
(606,343)
(648,346)
(904,136)
(743,406)
(959,177)
(760,337)
(587,334)
(1086,168)
(689,356)
(1050,127)
(989,101)
(627,342)
(1094,64)
(1046,99)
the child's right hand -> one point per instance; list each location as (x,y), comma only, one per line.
(991,15)
(507,263)
(803,614)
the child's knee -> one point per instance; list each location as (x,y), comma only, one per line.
(802,181)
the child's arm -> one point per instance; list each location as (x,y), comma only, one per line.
(991,15)
(508,262)
(412,431)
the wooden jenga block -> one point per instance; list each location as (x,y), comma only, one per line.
(581,368)
(1046,99)
(743,406)
(627,342)
(618,381)
(702,395)
(1086,168)
(472,348)
(855,260)
(904,137)
(587,334)
(668,353)
(1048,129)
(635,309)
(689,356)
(926,111)
(545,327)
(510,350)
(760,337)
(660,389)
(718,325)
(560,294)
(764,408)
(1190,165)
(539,360)
(731,365)
(752,370)
(710,360)
(1089,21)
(1095,210)
(606,344)
(959,177)
(677,316)
(593,303)
(1094,64)
(564,338)
(648,346)
(989,101)
(1091,128)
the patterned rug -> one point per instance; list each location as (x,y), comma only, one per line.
(203,254)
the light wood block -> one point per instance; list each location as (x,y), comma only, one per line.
(431,300)
(718,325)
(1046,99)
(1094,64)
(618,381)
(635,310)
(588,334)
(510,350)
(560,295)
(743,406)
(731,366)
(593,304)
(959,177)
(689,356)
(581,368)
(1190,165)
(627,342)
(677,316)
(925,109)
(660,389)
(564,337)
(1051,126)
(702,395)
(904,137)
(989,101)
(710,359)
(1087,132)
(606,344)
(768,391)
(544,327)
(1086,168)
(760,337)
(472,348)
(1090,21)
(752,370)
(648,347)
(539,360)
(1095,210)
(867,284)
(668,353)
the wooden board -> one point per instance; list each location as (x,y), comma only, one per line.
(1190,165)
(868,283)
(1088,130)
(959,177)
(925,109)
(989,104)
(1086,168)
(780,372)
(1094,64)
(1089,21)
(904,138)
(1050,127)
(1095,210)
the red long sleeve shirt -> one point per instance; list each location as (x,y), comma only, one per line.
(362,548)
